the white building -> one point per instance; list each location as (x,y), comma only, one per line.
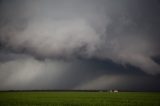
(115,91)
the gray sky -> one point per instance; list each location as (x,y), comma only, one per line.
(79,44)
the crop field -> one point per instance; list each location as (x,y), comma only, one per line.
(79,99)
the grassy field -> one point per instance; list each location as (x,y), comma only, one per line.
(79,99)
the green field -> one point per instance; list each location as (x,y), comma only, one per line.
(79,99)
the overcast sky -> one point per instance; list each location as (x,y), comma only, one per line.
(79,44)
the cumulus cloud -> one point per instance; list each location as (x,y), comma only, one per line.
(125,32)
(82,28)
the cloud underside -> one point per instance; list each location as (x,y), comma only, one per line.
(60,32)
(27,73)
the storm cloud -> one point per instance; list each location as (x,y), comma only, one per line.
(52,40)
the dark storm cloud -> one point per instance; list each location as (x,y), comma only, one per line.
(36,37)
(26,72)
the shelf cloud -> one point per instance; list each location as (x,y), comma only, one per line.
(39,35)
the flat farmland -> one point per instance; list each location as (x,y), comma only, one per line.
(79,99)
